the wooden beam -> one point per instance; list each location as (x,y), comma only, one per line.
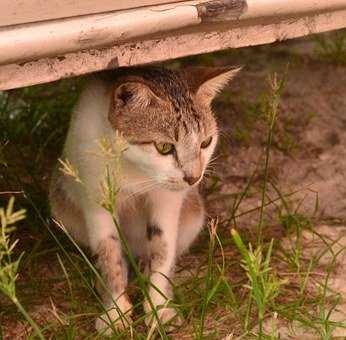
(277,8)
(14,12)
(203,38)
(51,38)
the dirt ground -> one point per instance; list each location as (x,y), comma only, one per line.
(308,157)
(307,160)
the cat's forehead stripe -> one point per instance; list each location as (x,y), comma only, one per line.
(186,126)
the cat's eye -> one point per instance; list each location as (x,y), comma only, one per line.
(164,148)
(206,143)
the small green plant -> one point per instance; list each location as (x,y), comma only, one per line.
(270,109)
(263,284)
(332,47)
(212,278)
(8,266)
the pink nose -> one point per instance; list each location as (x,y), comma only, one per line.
(191,180)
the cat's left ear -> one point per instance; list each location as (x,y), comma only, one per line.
(207,82)
(132,94)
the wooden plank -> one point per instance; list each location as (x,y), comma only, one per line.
(13,12)
(21,43)
(205,38)
(33,41)
(276,8)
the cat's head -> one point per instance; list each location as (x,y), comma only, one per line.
(167,119)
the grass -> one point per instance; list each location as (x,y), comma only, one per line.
(238,282)
(332,47)
(8,266)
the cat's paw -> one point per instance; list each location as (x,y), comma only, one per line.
(114,320)
(168,317)
(110,322)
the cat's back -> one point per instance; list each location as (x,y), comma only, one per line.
(89,119)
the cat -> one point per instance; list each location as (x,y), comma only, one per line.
(165,116)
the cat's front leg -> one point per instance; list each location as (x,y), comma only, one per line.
(162,240)
(105,244)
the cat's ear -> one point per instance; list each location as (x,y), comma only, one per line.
(207,82)
(132,94)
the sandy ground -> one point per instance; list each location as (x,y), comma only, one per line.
(308,157)
(309,150)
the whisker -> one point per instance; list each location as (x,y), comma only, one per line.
(214,163)
(225,134)
(209,174)
(143,189)
(140,187)
(217,157)
(226,137)
(135,184)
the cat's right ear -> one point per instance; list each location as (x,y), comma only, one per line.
(207,82)
(131,95)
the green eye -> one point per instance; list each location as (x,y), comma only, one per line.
(164,148)
(206,143)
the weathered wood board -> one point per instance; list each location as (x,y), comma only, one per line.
(14,12)
(201,31)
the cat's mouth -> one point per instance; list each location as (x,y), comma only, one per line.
(173,186)
(176,185)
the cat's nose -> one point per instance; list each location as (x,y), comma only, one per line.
(191,179)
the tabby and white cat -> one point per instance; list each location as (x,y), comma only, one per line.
(166,118)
